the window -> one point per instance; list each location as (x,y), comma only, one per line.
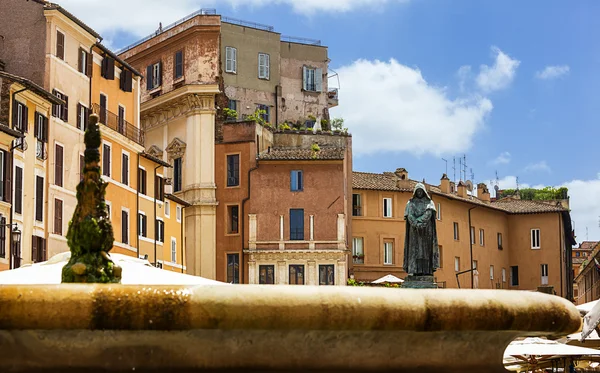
(173,250)
(499,241)
(267,112)
(126,81)
(121,120)
(232,105)
(503,274)
(577,254)
(142,225)
(125,168)
(544,270)
(388,253)
(491,272)
(58,216)
(142,185)
(456,264)
(160,230)
(39,198)
(296,274)
(356,205)
(159,188)
(3,229)
(514,276)
(266,274)
(535,238)
(456,235)
(103,108)
(5,184)
(61,111)
(58,165)
(106,160)
(60,45)
(473,235)
(38,249)
(387,207)
(41,135)
(178,65)
(178,214)
(20,114)
(233,170)
(107,69)
(474,265)
(85,62)
(439,211)
(18,190)
(358,254)
(167,209)
(263,66)
(177,179)
(312,79)
(233,268)
(83,114)
(230,60)
(153,76)
(326,274)
(297,224)
(125,227)
(296,181)
(481,237)
(232,219)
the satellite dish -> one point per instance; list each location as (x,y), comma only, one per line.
(469,184)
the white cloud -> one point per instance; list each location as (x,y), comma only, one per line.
(552,72)
(463,74)
(141,17)
(539,166)
(503,158)
(390,107)
(500,75)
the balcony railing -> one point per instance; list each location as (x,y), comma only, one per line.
(119,124)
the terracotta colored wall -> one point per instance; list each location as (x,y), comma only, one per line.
(23,47)
(529,260)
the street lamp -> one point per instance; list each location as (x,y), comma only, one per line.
(16,236)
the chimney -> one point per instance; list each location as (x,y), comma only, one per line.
(401,173)
(462,189)
(483,193)
(445,184)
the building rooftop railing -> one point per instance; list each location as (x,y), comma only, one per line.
(118,124)
(203,11)
(295,39)
(241,22)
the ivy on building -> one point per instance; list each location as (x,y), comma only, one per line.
(532,194)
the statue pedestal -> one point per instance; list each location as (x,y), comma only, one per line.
(419,282)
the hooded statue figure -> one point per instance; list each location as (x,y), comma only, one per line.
(421,250)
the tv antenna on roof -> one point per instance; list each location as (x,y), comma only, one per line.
(446,165)
(454,168)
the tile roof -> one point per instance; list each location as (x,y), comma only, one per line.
(32,86)
(325,153)
(388,182)
(587,245)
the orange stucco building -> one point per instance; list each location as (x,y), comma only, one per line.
(515,244)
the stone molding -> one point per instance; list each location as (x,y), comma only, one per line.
(176,149)
(155,151)
(179,106)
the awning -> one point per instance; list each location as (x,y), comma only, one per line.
(388,278)
(135,272)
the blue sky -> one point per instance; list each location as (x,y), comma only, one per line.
(511,84)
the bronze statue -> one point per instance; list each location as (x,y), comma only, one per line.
(421,250)
(90,235)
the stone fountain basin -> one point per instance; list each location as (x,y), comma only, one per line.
(130,328)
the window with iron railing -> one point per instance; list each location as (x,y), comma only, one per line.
(297,224)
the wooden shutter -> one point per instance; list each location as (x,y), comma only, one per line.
(60,45)
(89,64)
(124,227)
(81,64)
(65,112)
(58,214)
(267,66)
(45,129)
(261,65)
(149,84)
(234,60)
(304,78)
(228,59)
(7,177)
(15,113)
(34,249)
(122,80)
(159,74)
(79,118)
(318,80)
(39,198)
(24,118)
(54,106)
(43,247)
(36,127)
(111,69)
(58,165)
(18,190)
(129,82)
(125,170)
(106,160)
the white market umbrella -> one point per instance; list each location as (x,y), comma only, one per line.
(544,347)
(586,307)
(388,278)
(135,272)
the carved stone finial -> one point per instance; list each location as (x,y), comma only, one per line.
(90,235)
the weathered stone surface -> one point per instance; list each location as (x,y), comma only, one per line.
(419,282)
(63,328)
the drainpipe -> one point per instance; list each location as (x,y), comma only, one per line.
(244,222)
(137,205)
(471,248)
(562,248)
(182,243)
(155,259)
(276,108)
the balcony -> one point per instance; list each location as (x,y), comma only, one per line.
(332,97)
(119,124)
